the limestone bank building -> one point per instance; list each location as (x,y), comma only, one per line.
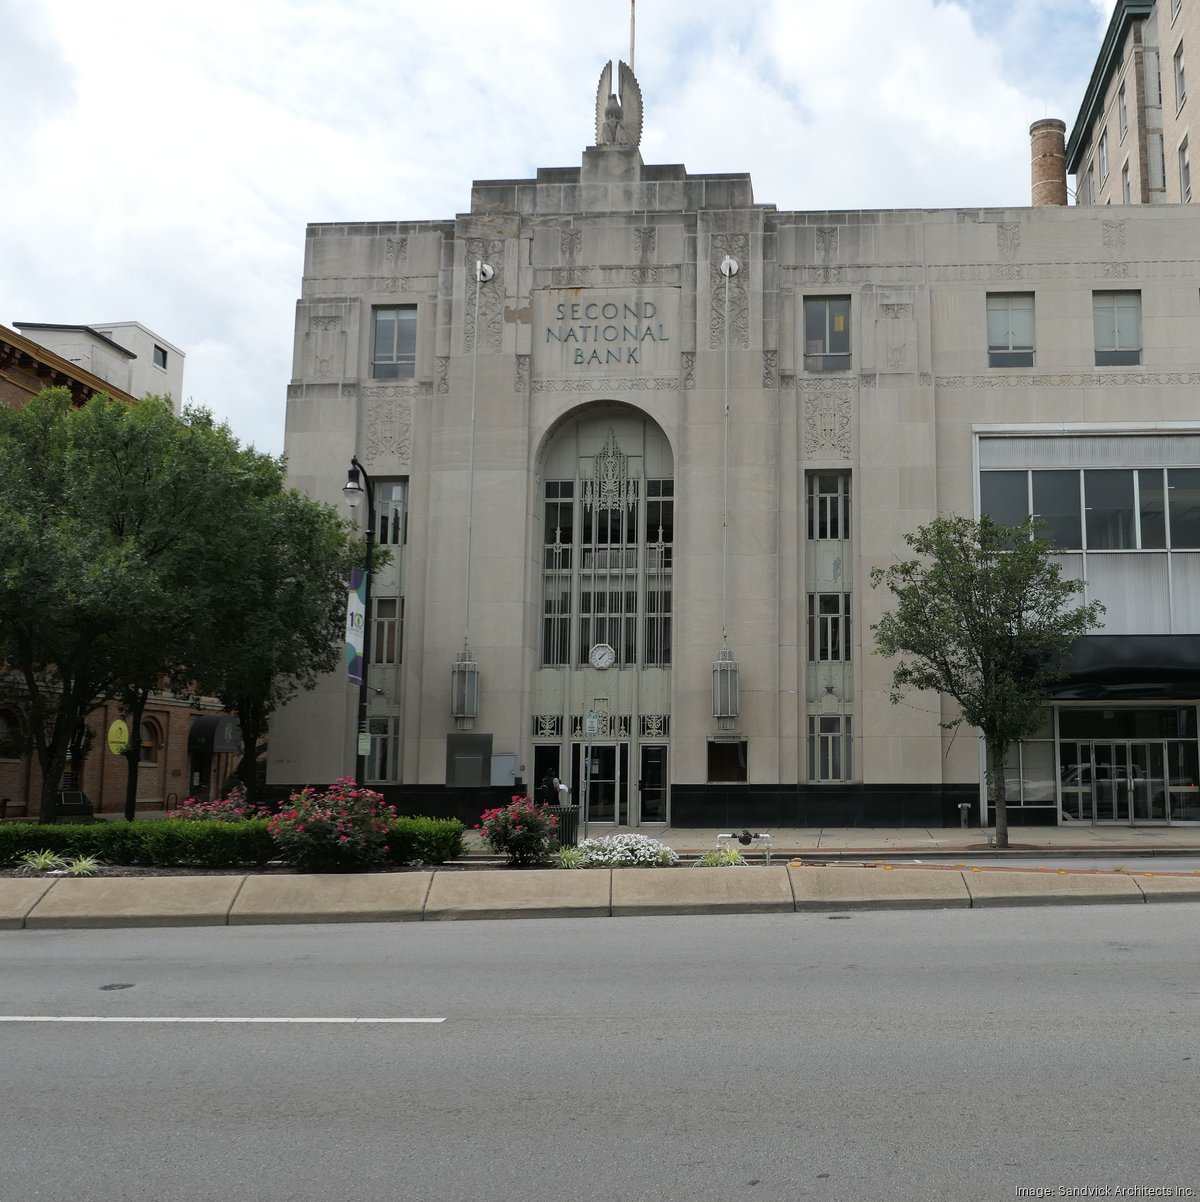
(637,439)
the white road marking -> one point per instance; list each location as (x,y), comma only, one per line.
(95,1018)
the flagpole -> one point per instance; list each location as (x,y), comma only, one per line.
(632,9)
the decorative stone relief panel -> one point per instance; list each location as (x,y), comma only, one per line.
(396,250)
(612,726)
(569,243)
(521,375)
(1116,271)
(1074,380)
(398,283)
(1114,234)
(827,420)
(827,240)
(547,726)
(326,348)
(687,369)
(646,275)
(1008,239)
(441,368)
(388,430)
(570,277)
(645,239)
(770,369)
(737,246)
(608,384)
(491,295)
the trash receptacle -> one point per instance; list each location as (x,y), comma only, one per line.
(568,824)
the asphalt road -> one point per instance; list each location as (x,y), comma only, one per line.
(948,1054)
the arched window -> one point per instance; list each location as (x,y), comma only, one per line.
(151,741)
(608,535)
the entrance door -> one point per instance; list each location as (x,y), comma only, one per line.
(1110,782)
(652,786)
(608,787)
(1114,782)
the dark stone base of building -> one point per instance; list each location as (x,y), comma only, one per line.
(733,806)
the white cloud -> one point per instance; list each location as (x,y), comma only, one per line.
(172,154)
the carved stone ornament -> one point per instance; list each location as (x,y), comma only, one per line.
(610,485)
(396,250)
(827,432)
(618,117)
(569,243)
(442,373)
(1008,238)
(491,295)
(521,374)
(1114,234)
(645,238)
(737,247)
(607,384)
(329,322)
(770,369)
(687,369)
(388,431)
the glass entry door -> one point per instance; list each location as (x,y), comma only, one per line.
(1114,782)
(652,786)
(607,782)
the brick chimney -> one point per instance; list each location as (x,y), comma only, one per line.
(1048,153)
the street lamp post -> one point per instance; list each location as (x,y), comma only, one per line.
(358,481)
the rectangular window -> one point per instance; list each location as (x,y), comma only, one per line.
(827,333)
(1126,194)
(1185,173)
(1108,505)
(391,512)
(1153,78)
(1004,497)
(383,759)
(1183,485)
(160,356)
(1122,110)
(1180,78)
(558,535)
(660,533)
(1088,194)
(1152,508)
(828,505)
(829,747)
(1102,155)
(1117,320)
(385,629)
(1056,507)
(727,761)
(394,356)
(828,627)
(1010,330)
(1175,6)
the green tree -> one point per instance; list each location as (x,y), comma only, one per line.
(134,545)
(984,615)
(280,619)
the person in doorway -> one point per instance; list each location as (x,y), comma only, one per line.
(549,790)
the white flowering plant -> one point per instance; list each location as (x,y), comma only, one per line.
(625,851)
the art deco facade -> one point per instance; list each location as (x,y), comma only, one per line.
(619,406)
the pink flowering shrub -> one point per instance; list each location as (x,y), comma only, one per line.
(523,830)
(343,829)
(234,808)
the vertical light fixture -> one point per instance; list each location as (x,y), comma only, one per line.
(725,668)
(464,671)
(358,481)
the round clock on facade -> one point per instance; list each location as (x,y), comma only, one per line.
(602,656)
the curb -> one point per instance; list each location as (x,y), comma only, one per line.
(797,887)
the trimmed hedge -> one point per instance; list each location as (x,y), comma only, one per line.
(157,843)
(430,840)
(151,843)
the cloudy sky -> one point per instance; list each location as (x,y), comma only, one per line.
(162,160)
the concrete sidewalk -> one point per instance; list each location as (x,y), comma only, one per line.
(454,893)
(868,842)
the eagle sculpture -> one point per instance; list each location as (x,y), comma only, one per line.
(618,114)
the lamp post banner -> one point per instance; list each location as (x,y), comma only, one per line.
(356,621)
